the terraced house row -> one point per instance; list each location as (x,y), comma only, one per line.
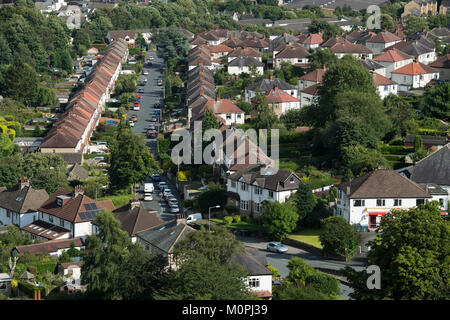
(71,133)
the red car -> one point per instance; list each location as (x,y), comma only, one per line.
(136,104)
(152,134)
(138,96)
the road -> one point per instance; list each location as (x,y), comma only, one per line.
(153,94)
(280,260)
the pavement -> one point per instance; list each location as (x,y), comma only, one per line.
(152,94)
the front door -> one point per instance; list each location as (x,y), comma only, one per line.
(373,222)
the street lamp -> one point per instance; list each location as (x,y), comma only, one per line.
(209,216)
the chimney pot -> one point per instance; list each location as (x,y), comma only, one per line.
(24,182)
(347,190)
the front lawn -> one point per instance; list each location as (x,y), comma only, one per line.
(238,225)
(309,236)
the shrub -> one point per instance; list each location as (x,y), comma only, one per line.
(274,270)
(228,219)
(231,209)
(324,283)
(33,269)
(188,203)
(338,237)
(299,270)
(237,218)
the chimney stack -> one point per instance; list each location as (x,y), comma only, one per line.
(271,77)
(24,182)
(78,190)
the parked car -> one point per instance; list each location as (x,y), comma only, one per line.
(148,64)
(150,58)
(162,184)
(98,152)
(156,178)
(131,123)
(157,112)
(148,196)
(101,143)
(140,90)
(151,126)
(138,96)
(145,73)
(153,119)
(174,209)
(157,105)
(166,191)
(98,158)
(276,247)
(159,82)
(137,104)
(102,164)
(134,117)
(151,134)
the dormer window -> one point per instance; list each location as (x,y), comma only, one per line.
(59,202)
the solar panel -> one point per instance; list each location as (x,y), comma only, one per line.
(91,214)
(90,206)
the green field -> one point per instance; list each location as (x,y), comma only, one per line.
(309,236)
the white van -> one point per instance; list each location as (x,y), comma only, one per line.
(193,217)
(148,187)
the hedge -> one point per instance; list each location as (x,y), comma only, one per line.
(44,267)
(324,283)
(29,289)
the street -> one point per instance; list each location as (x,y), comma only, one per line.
(153,94)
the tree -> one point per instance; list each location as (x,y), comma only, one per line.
(105,256)
(299,271)
(323,283)
(437,101)
(130,159)
(387,23)
(305,202)
(46,97)
(20,82)
(415,24)
(173,44)
(412,252)
(299,292)
(211,197)
(338,237)
(266,118)
(329,30)
(279,219)
(359,160)
(321,57)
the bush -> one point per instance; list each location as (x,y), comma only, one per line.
(32,269)
(231,209)
(324,283)
(274,270)
(338,237)
(188,203)
(299,270)
(228,219)
(237,218)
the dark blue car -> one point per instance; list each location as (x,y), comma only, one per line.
(157,178)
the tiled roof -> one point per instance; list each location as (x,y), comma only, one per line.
(265,85)
(442,62)
(415,68)
(45,230)
(382,183)
(350,48)
(245,61)
(253,261)
(314,38)
(433,168)
(312,90)
(220,48)
(22,200)
(245,52)
(392,56)
(223,106)
(293,52)
(121,34)
(314,76)
(137,219)
(49,246)
(277,95)
(384,37)
(380,80)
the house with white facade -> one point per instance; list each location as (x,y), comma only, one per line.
(311,78)
(255,184)
(384,85)
(128,35)
(244,52)
(364,200)
(281,102)
(296,55)
(54,248)
(244,65)
(227,110)
(259,279)
(377,43)
(265,85)
(66,215)
(19,205)
(414,75)
(309,95)
(392,60)
(313,41)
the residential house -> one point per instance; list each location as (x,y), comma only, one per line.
(438,194)
(65,215)
(309,95)
(373,66)
(128,35)
(162,240)
(414,75)
(341,47)
(197,41)
(5,284)
(244,65)
(377,43)
(392,60)
(219,51)
(384,85)
(420,49)
(78,173)
(364,200)
(244,52)
(281,102)
(53,248)
(444,8)
(442,65)
(313,41)
(255,184)
(71,273)
(19,205)
(134,218)
(227,110)
(265,85)
(261,45)
(259,279)
(433,169)
(418,8)
(312,78)
(441,32)
(293,55)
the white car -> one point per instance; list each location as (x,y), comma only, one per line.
(131,123)
(99,159)
(148,196)
(145,73)
(162,184)
(174,209)
(102,164)
(150,58)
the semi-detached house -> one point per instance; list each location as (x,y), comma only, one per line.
(364,200)
(256,184)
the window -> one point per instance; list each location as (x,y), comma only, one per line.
(3,286)
(441,201)
(243,186)
(8,214)
(397,202)
(50,218)
(233,184)
(381,202)
(359,203)
(228,116)
(238,115)
(258,190)
(420,201)
(61,222)
(276,105)
(253,282)
(271,194)
(257,207)
(244,205)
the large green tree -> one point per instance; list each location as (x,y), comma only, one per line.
(305,202)
(173,44)
(279,219)
(412,252)
(437,101)
(130,160)
(338,237)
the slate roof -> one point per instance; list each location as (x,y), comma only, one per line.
(434,168)
(253,261)
(137,219)
(384,37)
(265,85)
(371,65)
(245,62)
(433,189)
(442,62)
(428,140)
(78,172)
(72,157)
(382,183)
(167,236)
(23,200)
(293,52)
(49,246)
(276,182)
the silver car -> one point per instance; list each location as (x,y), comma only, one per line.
(277,247)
